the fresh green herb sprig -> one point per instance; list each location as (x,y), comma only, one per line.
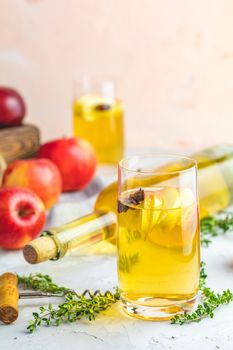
(76,306)
(211,301)
(41,282)
(126,262)
(213,226)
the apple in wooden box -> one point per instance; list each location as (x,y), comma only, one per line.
(12,107)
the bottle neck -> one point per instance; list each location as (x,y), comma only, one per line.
(58,241)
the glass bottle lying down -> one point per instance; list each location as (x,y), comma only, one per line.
(215,188)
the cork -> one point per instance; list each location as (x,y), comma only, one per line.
(9,296)
(39,250)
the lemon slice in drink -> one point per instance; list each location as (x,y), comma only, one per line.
(189,217)
(171,227)
(151,210)
(169,214)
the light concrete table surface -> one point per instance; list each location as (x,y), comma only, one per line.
(113,329)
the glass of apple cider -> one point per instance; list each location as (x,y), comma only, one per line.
(158,235)
(98,117)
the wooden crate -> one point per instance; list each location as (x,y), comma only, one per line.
(19,142)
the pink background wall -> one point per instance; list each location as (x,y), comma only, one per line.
(174,61)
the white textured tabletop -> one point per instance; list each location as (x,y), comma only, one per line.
(114,330)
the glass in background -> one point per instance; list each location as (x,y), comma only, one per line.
(98,117)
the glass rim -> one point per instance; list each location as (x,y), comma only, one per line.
(192,165)
(95,78)
(89,84)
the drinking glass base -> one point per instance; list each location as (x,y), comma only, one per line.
(164,310)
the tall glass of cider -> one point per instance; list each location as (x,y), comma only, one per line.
(158,235)
(98,117)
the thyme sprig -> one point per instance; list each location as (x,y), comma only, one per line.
(213,226)
(126,262)
(76,306)
(210,302)
(41,282)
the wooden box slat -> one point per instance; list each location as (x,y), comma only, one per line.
(19,142)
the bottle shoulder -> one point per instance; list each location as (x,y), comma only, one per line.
(107,199)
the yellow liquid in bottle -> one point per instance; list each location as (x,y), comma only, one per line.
(215,180)
(100,121)
(158,247)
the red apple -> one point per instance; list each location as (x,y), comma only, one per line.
(22,217)
(39,175)
(75,158)
(12,107)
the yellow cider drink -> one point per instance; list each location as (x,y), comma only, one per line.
(159,249)
(100,121)
(158,235)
